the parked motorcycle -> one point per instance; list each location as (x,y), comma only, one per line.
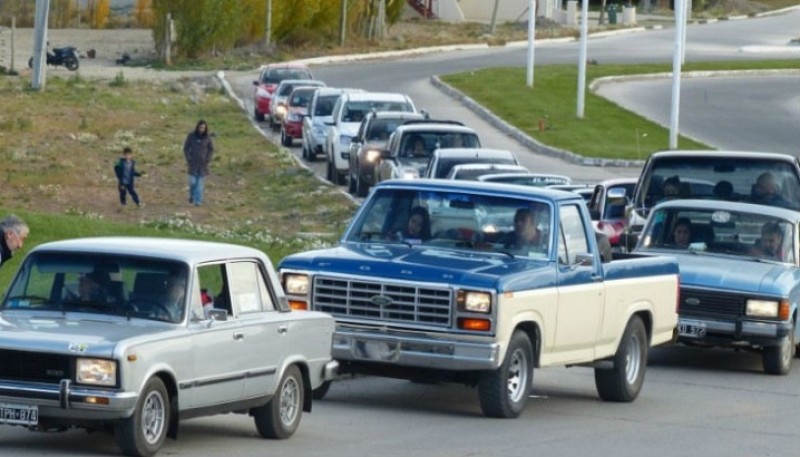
(67,57)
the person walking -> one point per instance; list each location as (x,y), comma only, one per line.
(125,169)
(198,150)
(14,231)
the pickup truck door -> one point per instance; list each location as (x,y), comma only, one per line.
(581,293)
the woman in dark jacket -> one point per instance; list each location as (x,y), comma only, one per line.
(198,150)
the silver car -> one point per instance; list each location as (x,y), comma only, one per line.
(132,334)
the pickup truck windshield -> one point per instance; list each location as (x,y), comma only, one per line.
(755,181)
(455,220)
(118,285)
(721,232)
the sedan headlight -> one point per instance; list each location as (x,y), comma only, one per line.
(474,302)
(280,110)
(295,284)
(344,140)
(762,308)
(373,155)
(101,372)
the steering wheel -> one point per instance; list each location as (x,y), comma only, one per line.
(150,307)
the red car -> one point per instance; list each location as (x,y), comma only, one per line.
(271,75)
(607,207)
(296,109)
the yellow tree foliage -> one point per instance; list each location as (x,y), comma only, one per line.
(102,8)
(143,12)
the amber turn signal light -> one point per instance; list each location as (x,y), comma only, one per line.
(482,325)
(298,305)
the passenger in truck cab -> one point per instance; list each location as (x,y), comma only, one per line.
(770,244)
(682,233)
(526,234)
(418,226)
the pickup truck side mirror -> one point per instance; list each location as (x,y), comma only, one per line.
(617,194)
(386,154)
(356,139)
(256,83)
(584,259)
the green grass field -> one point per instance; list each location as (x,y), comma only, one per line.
(606,131)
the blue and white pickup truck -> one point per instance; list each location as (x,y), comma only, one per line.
(479,283)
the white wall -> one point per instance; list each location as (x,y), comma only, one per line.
(507,10)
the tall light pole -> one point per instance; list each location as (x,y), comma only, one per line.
(531,39)
(677,53)
(39,45)
(268,27)
(582,57)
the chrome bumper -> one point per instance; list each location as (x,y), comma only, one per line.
(67,401)
(742,330)
(414,351)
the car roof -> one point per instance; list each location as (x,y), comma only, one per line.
(489,177)
(323,91)
(723,205)
(487,188)
(617,181)
(395,115)
(380,96)
(305,82)
(724,154)
(472,152)
(189,251)
(435,127)
(491,166)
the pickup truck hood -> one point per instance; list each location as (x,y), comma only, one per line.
(415,263)
(49,331)
(727,273)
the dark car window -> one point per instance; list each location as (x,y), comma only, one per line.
(324,106)
(301,98)
(381,129)
(276,75)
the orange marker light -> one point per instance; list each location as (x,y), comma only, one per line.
(482,325)
(298,305)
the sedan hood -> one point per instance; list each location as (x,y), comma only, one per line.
(414,263)
(50,331)
(729,273)
(349,128)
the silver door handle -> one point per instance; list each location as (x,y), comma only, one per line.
(238,336)
(283,329)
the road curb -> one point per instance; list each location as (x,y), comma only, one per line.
(525,139)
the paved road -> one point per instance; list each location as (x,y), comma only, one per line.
(719,41)
(753,113)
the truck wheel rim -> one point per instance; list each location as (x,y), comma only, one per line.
(153,414)
(290,401)
(517,376)
(633,360)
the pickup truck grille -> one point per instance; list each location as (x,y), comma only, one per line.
(34,366)
(404,303)
(705,301)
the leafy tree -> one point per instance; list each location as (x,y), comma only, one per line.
(143,12)
(100,14)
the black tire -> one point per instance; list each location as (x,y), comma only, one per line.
(30,62)
(623,382)
(320,392)
(71,63)
(286,140)
(351,182)
(144,432)
(280,418)
(362,188)
(259,116)
(305,151)
(330,173)
(341,178)
(504,392)
(778,359)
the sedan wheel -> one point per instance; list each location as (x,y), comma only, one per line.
(280,418)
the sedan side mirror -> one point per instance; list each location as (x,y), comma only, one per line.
(217,314)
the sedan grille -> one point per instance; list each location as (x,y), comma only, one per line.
(34,366)
(704,301)
(404,303)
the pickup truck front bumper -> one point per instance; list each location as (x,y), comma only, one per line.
(70,402)
(441,352)
(732,332)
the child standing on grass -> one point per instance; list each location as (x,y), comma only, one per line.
(125,169)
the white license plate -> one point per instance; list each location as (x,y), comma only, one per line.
(692,329)
(19,414)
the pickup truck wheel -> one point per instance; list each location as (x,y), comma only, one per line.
(623,382)
(778,359)
(503,392)
(329,172)
(351,182)
(362,188)
(320,392)
(144,432)
(280,417)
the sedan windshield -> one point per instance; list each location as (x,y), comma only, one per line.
(712,230)
(91,283)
